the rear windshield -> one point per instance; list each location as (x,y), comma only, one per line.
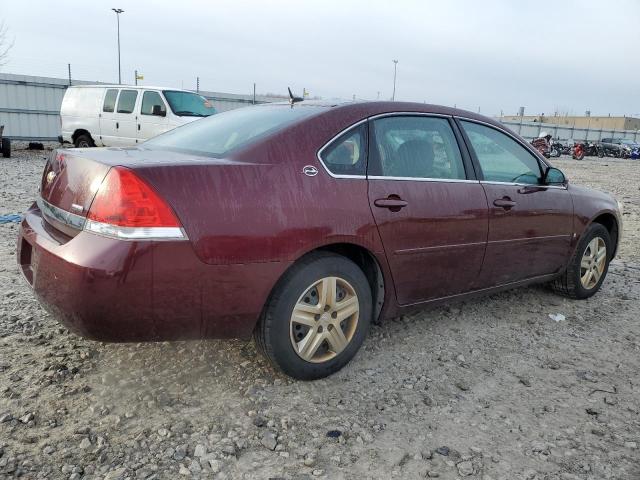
(217,135)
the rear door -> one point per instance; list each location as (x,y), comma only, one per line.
(530,224)
(108,131)
(152,120)
(430,210)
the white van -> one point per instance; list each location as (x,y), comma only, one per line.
(119,115)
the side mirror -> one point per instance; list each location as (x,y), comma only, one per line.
(158,111)
(554,176)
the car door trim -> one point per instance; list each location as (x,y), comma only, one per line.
(421,179)
(514,184)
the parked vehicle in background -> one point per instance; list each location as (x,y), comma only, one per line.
(5,144)
(559,148)
(617,147)
(118,116)
(302,224)
(578,151)
(545,146)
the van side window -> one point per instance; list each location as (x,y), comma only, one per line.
(110,100)
(150,100)
(127,101)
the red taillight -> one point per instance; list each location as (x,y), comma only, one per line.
(125,200)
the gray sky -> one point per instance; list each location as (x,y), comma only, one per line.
(495,55)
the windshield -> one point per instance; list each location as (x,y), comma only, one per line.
(219,134)
(627,141)
(187,104)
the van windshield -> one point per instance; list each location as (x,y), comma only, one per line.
(187,104)
(219,134)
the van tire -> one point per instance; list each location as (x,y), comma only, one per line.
(84,141)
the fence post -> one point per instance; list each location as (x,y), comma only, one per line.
(69,68)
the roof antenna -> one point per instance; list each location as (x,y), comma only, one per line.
(293,99)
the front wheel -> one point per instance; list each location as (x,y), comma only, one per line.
(589,265)
(317,317)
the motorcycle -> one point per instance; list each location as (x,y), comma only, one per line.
(546,149)
(559,149)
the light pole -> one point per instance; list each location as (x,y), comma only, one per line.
(395,70)
(118,12)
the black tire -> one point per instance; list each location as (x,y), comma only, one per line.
(6,147)
(569,283)
(600,153)
(84,141)
(272,334)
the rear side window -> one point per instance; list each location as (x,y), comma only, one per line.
(110,100)
(347,154)
(416,147)
(127,101)
(501,158)
(149,100)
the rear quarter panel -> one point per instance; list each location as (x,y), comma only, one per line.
(261,207)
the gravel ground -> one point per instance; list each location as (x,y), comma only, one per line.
(487,389)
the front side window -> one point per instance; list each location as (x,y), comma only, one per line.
(110,100)
(150,100)
(127,101)
(346,155)
(501,158)
(416,147)
(187,104)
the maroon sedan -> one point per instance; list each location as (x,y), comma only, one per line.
(303,224)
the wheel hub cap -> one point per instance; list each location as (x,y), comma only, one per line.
(593,263)
(324,319)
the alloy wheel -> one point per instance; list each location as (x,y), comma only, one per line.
(593,263)
(324,319)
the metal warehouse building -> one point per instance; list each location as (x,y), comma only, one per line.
(30,106)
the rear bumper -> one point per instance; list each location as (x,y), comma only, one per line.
(125,291)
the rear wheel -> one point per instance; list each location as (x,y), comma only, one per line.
(84,141)
(588,266)
(5,146)
(317,317)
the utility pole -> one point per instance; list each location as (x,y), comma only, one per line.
(395,71)
(69,68)
(135,73)
(118,12)
(254,93)
(197,84)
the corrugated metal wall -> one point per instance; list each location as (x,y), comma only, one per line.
(30,106)
(530,130)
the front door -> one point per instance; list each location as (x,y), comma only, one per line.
(429,209)
(152,120)
(530,224)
